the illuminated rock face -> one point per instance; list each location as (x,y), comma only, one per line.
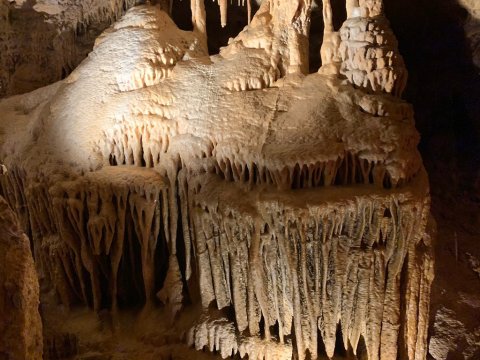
(286,213)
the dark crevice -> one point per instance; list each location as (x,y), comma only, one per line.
(315,39)
(339,13)
(181,254)
(131,292)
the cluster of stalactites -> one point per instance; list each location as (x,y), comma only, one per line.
(223,4)
(364,50)
(303,275)
(104,239)
(199,14)
(354,8)
(364,8)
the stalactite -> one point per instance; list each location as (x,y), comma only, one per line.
(223,4)
(327,17)
(328,268)
(113,214)
(199,19)
(218,189)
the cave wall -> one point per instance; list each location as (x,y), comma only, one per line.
(472,27)
(439,42)
(43,41)
(443,80)
(20,323)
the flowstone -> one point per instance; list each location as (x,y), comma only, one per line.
(261,210)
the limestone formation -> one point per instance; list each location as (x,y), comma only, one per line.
(370,58)
(20,323)
(262,210)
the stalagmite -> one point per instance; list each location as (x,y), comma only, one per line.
(351,5)
(250,207)
(368,49)
(331,40)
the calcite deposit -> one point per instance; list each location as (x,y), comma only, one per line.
(262,210)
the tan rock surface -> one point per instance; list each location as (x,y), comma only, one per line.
(244,205)
(20,323)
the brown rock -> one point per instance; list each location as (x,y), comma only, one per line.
(20,323)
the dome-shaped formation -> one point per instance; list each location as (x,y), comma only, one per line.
(264,206)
